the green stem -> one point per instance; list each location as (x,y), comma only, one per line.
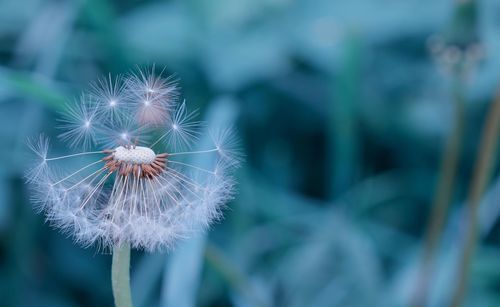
(443,194)
(342,125)
(120,275)
(482,172)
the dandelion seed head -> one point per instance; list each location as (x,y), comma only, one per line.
(122,185)
(137,155)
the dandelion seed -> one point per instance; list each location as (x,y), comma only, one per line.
(110,96)
(132,190)
(78,123)
(157,96)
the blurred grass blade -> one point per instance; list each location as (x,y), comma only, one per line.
(30,86)
(182,274)
(342,126)
(486,159)
(236,279)
(145,276)
(183,270)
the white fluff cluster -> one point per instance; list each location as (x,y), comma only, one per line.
(110,192)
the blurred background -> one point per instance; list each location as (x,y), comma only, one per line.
(361,122)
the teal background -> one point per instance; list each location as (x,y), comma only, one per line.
(342,108)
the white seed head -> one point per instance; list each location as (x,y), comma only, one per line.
(129,187)
(134,155)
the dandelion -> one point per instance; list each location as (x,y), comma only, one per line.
(132,184)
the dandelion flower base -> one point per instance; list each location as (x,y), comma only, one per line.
(137,160)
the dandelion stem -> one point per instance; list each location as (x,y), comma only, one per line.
(482,172)
(120,275)
(443,194)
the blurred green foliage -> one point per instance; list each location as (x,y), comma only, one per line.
(342,110)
